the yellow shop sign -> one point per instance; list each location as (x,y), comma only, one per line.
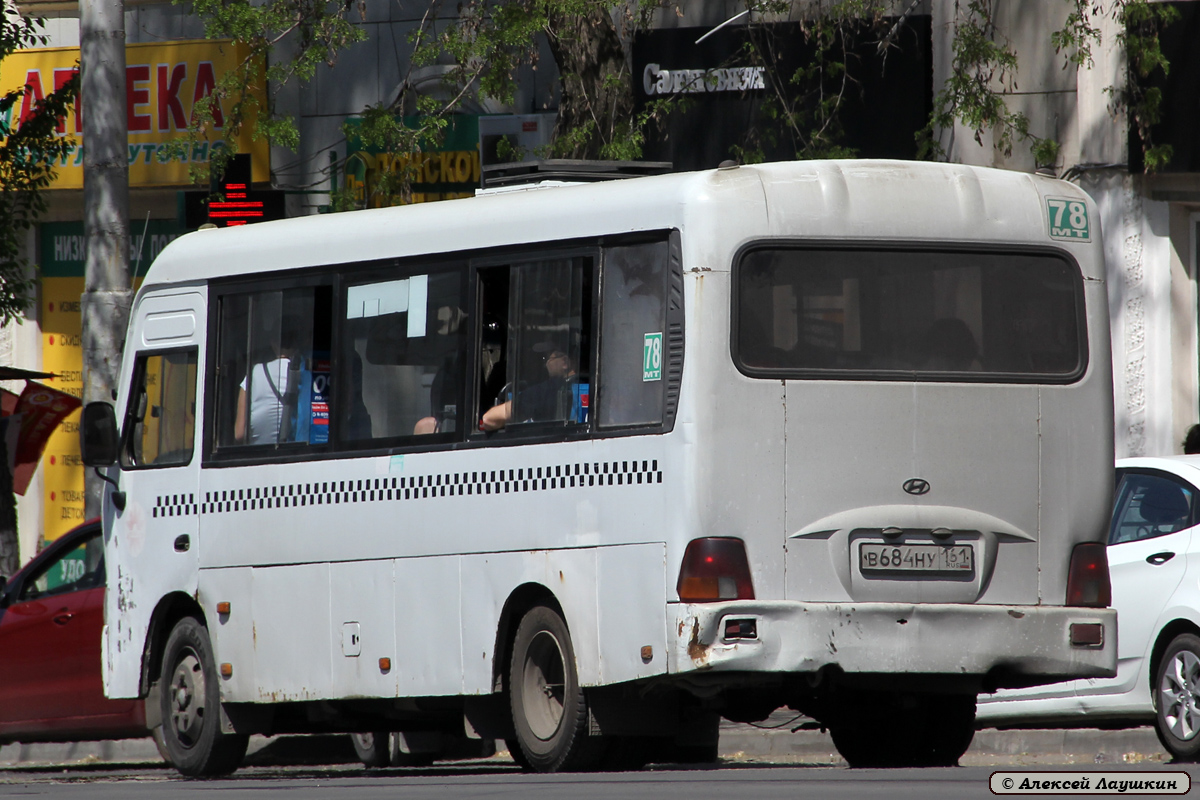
(163,81)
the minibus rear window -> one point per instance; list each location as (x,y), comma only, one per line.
(896,314)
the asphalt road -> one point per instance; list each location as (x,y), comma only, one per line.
(496,779)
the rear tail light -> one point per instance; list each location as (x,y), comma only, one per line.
(715,568)
(1087,583)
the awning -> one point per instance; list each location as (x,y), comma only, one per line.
(15,374)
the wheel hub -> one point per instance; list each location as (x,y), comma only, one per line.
(1177,695)
(187,699)
(543,685)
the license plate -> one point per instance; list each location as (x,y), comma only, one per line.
(927,558)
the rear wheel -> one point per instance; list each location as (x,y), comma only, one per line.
(1177,698)
(549,710)
(373,749)
(191,706)
(518,757)
(885,729)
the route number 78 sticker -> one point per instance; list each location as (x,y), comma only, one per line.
(1068,219)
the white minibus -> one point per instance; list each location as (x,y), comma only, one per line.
(587,468)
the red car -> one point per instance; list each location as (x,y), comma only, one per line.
(51,614)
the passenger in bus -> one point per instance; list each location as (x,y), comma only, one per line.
(268,398)
(950,346)
(562,396)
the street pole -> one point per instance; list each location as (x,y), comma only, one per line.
(106,292)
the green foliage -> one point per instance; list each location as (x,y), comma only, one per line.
(475,50)
(1075,39)
(804,106)
(315,32)
(982,71)
(984,68)
(1140,22)
(29,149)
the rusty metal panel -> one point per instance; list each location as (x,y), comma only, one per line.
(362,628)
(152,547)
(233,635)
(489,579)
(292,644)
(631,585)
(428,647)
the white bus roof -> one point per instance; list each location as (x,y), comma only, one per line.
(863,200)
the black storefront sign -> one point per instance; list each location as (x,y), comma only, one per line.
(888,99)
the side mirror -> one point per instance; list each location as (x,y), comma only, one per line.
(98,435)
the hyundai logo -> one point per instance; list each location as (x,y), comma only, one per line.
(916,486)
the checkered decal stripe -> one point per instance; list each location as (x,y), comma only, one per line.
(417,487)
(174,505)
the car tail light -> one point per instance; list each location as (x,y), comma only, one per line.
(715,568)
(1087,583)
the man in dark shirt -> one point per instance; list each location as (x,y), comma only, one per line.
(559,397)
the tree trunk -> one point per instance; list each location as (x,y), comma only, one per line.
(596,101)
(106,295)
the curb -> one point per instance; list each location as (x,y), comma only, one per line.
(1100,746)
(737,741)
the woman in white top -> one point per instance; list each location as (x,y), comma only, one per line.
(268,385)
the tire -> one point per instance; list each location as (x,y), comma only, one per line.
(191,706)
(1177,698)
(549,710)
(518,757)
(882,729)
(156,734)
(373,749)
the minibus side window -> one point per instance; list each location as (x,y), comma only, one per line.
(402,358)
(545,354)
(633,335)
(160,422)
(273,368)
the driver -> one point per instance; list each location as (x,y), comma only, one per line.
(551,399)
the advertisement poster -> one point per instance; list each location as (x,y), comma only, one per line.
(61,262)
(163,81)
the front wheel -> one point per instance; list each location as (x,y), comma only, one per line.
(550,714)
(191,706)
(1177,698)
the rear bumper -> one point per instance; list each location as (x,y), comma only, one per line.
(1025,642)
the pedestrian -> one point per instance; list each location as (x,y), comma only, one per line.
(1191,442)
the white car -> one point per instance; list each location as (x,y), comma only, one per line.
(1154,562)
